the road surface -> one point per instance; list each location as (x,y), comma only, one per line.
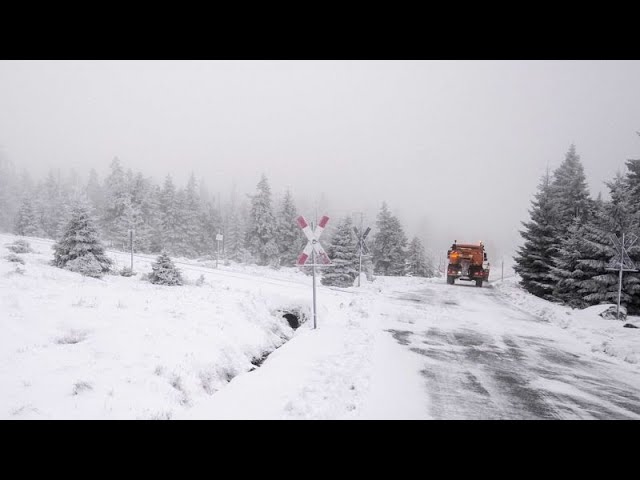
(486,359)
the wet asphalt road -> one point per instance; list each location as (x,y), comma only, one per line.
(485,359)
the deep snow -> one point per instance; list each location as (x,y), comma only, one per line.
(118,347)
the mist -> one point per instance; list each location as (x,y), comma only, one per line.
(456,148)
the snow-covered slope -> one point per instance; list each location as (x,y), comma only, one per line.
(118,347)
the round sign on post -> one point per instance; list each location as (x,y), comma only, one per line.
(219,237)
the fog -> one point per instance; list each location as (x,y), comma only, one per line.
(456,148)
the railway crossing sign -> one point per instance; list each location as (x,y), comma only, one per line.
(362,246)
(313,245)
(314,249)
(621,261)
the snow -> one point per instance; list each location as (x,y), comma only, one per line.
(604,336)
(119,347)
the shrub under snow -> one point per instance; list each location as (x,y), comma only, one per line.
(165,272)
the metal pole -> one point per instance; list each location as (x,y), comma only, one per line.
(620,278)
(361,245)
(313,262)
(131,243)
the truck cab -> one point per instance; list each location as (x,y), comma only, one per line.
(467,262)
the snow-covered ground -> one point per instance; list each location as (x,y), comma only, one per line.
(118,347)
(602,335)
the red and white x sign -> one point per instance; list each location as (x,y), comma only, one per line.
(313,244)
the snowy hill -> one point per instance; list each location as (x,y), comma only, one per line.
(120,347)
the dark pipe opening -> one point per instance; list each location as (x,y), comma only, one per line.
(294,321)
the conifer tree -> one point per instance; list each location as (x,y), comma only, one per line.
(80,249)
(389,244)
(567,272)
(417,264)
(170,223)
(26,219)
(569,192)
(342,252)
(260,237)
(290,238)
(536,257)
(164,271)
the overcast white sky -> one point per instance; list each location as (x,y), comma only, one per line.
(455,147)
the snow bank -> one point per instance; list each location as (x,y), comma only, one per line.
(116,347)
(603,336)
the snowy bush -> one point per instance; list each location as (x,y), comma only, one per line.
(80,249)
(126,272)
(86,265)
(12,257)
(165,272)
(200,280)
(20,246)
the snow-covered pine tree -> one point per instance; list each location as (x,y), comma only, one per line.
(117,197)
(80,249)
(612,218)
(567,272)
(191,224)
(342,252)
(536,257)
(569,192)
(170,214)
(389,244)
(417,264)
(26,219)
(95,193)
(260,236)
(164,271)
(289,237)
(8,193)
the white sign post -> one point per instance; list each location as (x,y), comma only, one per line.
(362,247)
(313,247)
(131,246)
(218,240)
(622,261)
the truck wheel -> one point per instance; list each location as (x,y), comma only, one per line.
(479,283)
(450,279)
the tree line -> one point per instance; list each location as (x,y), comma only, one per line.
(567,241)
(184,221)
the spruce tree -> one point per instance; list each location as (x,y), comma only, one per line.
(612,218)
(342,252)
(164,271)
(536,257)
(117,200)
(389,244)
(289,237)
(26,219)
(170,214)
(567,270)
(260,237)
(417,264)
(80,248)
(569,192)
(191,220)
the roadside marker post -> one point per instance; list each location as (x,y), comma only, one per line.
(219,238)
(131,246)
(312,249)
(362,247)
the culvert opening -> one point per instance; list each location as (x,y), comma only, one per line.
(293,319)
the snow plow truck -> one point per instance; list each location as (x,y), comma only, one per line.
(467,262)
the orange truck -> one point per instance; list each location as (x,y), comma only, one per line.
(467,262)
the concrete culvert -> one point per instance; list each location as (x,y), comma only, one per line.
(293,319)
